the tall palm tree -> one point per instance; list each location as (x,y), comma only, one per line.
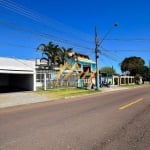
(64,54)
(54,53)
(51,51)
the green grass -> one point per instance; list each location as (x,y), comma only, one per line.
(66,92)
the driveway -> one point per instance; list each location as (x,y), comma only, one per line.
(21,98)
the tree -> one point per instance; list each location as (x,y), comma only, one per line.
(132,65)
(64,54)
(108,70)
(51,51)
(144,72)
(55,54)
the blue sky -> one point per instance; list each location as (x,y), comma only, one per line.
(24,24)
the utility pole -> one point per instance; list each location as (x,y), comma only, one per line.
(97,51)
(97,58)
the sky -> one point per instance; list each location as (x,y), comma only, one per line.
(25,24)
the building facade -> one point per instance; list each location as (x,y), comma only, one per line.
(30,75)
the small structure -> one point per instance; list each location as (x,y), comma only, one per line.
(17,75)
(107,80)
(122,80)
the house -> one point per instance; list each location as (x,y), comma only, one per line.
(79,68)
(86,70)
(84,62)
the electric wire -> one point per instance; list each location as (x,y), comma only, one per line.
(42,34)
(17,8)
(41,19)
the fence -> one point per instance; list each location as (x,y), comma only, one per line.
(45,80)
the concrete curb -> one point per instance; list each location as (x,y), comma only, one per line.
(26,98)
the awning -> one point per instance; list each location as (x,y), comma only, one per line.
(86,60)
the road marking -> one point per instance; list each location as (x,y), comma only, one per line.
(130,104)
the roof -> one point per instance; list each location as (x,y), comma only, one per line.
(86,60)
(81,55)
(14,64)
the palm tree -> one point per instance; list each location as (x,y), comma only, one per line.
(64,55)
(54,53)
(51,51)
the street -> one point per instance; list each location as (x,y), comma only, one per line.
(118,120)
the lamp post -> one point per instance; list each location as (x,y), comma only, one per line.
(97,44)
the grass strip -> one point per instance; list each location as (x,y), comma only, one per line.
(66,92)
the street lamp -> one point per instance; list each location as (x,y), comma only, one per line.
(97,44)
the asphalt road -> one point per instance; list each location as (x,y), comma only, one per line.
(117,120)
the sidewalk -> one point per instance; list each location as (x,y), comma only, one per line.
(22,98)
(113,88)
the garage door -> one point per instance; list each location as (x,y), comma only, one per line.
(16,82)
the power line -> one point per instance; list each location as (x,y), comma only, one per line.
(47,36)
(42,34)
(39,18)
(54,25)
(127,50)
(19,9)
(42,19)
(130,39)
(16,45)
(112,57)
